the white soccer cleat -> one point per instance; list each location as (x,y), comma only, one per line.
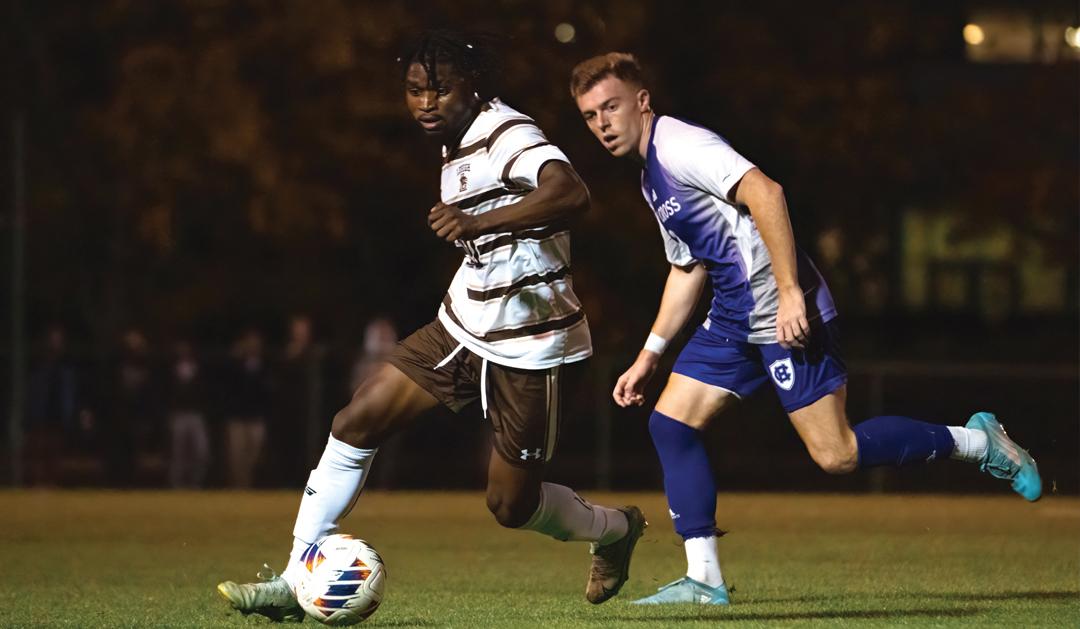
(272,597)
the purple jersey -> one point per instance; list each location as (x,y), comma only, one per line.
(688,175)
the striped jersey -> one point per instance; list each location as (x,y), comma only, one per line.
(688,176)
(512,300)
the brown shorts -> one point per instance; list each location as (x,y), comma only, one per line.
(523,404)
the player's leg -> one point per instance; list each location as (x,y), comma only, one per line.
(811,385)
(425,369)
(685,408)
(518,498)
(179,455)
(256,439)
(384,403)
(708,378)
(525,410)
(896,441)
(200,463)
(899,441)
(887,440)
(513,493)
(823,427)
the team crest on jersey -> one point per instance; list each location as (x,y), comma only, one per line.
(463,181)
(783,373)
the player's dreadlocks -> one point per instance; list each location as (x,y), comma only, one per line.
(471,55)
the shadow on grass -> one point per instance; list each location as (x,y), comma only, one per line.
(854,614)
(1036,595)
(402,622)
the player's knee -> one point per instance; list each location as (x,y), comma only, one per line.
(837,460)
(510,511)
(353,426)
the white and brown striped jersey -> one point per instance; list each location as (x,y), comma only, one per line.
(512,300)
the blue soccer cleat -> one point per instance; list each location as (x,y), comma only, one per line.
(687,590)
(1004,459)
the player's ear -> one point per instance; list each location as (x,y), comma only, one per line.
(644,104)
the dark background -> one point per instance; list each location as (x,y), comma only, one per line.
(197,168)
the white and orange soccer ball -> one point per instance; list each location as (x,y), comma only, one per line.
(342,580)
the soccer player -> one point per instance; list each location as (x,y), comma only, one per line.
(508,322)
(725,223)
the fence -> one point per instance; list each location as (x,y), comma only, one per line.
(753,446)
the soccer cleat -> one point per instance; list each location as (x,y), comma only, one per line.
(611,562)
(687,590)
(272,597)
(1004,459)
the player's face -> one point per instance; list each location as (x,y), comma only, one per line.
(442,107)
(615,112)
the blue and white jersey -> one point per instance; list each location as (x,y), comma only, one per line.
(688,175)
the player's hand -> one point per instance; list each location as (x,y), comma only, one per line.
(450,223)
(630,388)
(792,328)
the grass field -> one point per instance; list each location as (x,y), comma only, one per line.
(114,559)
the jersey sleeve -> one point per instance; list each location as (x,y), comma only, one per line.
(704,160)
(519,152)
(677,251)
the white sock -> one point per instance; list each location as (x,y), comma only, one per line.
(970,444)
(331,491)
(702,563)
(564,515)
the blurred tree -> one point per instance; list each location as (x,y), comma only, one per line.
(205,163)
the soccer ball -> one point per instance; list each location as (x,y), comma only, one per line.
(342,580)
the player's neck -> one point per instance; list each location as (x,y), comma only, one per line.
(454,140)
(642,153)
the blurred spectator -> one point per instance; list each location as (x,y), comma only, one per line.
(130,426)
(298,426)
(55,421)
(380,336)
(247,398)
(189,443)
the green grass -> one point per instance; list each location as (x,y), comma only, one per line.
(115,559)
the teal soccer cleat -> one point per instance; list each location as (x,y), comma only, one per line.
(687,590)
(1004,459)
(272,597)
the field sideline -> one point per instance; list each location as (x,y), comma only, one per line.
(152,559)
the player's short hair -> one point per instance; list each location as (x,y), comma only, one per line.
(472,55)
(621,65)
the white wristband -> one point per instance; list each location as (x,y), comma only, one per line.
(656,343)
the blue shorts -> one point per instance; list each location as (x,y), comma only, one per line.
(800,376)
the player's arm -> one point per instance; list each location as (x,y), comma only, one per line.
(681,293)
(560,194)
(767,204)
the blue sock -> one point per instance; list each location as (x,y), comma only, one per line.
(688,477)
(898,441)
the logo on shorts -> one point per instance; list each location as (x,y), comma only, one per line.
(533,454)
(783,373)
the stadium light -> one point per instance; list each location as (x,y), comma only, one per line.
(974,35)
(565,33)
(1072,36)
